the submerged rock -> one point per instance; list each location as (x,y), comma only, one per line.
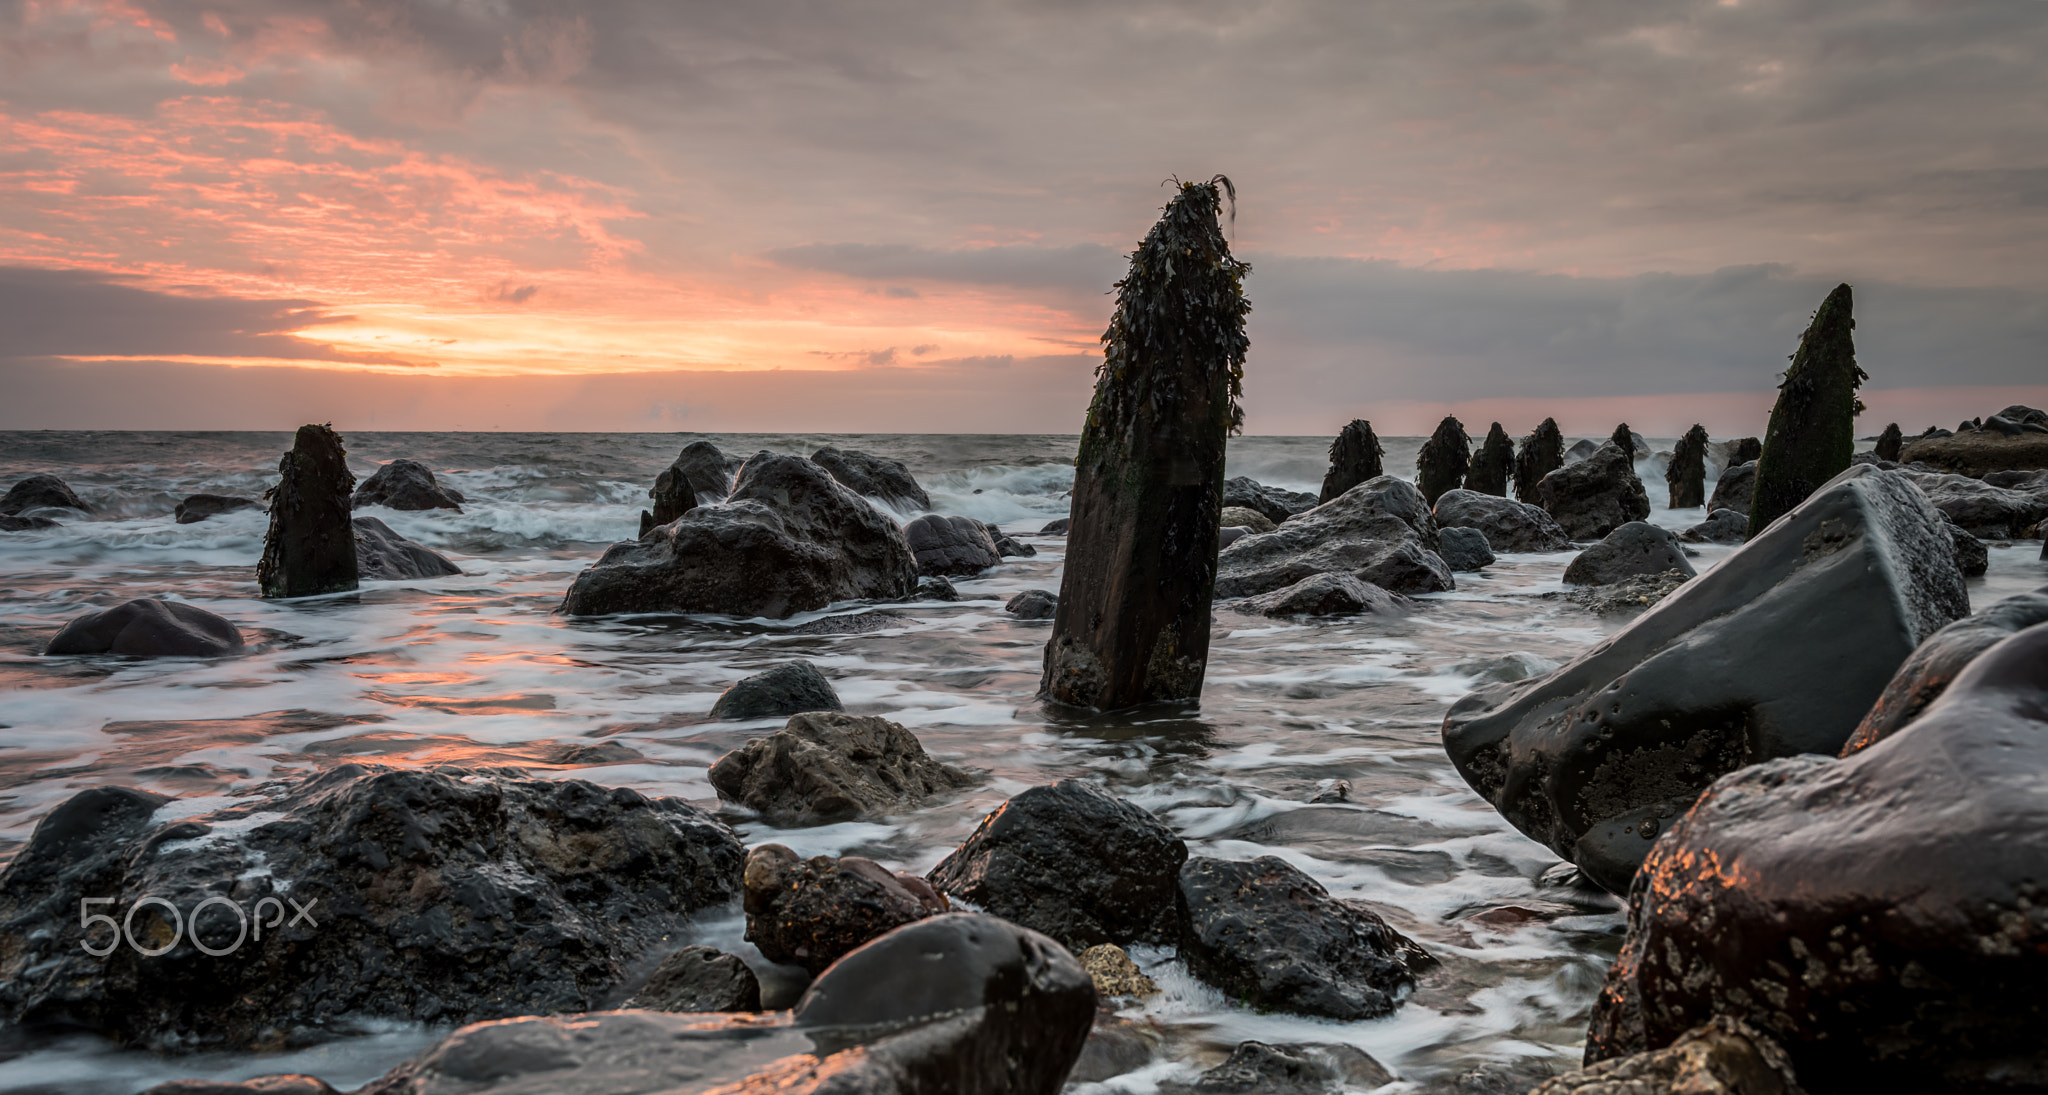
(1380,531)
(1133,620)
(1444,460)
(811,912)
(1033,604)
(198,507)
(1594,759)
(1637,549)
(1686,475)
(411,895)
(42,492)
(11,523)
(1631,594)
(789,539)
(1276,504)
(873,476)
(1494,465)
(1722,526)
(826,766)
(784,690)
(1935,663)
(950,546)
(1734,490)
(149,628)
(1311,1069)
(1327,595)
(383,555)
(1465,549)
(310,547)
(1890,442)
(1813,426)
(1999,513)
(700,979)
(1072,861)
(1724,1056)
(1595,496)
(1355,456)
(1270,936)
(1507,524)
(1541,453)
(405,484)
(700,475)
(1879,916)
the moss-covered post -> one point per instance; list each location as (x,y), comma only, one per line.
(1542,452)
(1493,465)
(1354,458)
(311,546)
(1133,619)
(1687,473)
(1890,442)
(1813,427)
(1444,459)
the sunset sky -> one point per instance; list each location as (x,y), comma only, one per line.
(650,215)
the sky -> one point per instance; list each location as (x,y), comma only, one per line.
(877,216)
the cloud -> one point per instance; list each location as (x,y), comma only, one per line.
(505,292)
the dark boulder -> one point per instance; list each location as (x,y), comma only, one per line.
(1813,426)
(1977,454)
(199,507)
(1276,504)
(1355,456)
(1686,475)
(1033,604)
(1722,526)
(1540,453)
(1879,916)
(1073,861)
(383,555)
(789,539)
(1312,1069)
(1057,527)
(42,492)
(1443,461)
(811,912)
(873,476)
(933,588)
(1380,531)
(1580,450)
(950,546)
(1637,548)
(1735,453)
(826,766)
(1593,759)
(1465,549)
(1595,496)
(11,523)
(1493,466)
(700,979)
(1890,442)
(779,692)
(1935,663)
(1734,490)
(1725,1056)
(2000,425)
(2020,412)
(1508,525)
(1998,513)
(1328,595)
(149,628)
(1272,937)
(429,896)
(1009,547)
(310,547)
(405,484)
(1973,558)
(701,475)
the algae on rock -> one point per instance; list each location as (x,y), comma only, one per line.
(1812,432)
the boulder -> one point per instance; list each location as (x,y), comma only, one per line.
(405,484)
(42,492)
(2033,482)
(1009,547)
(932,588)
(1310,1069)
(789,539)
(1935,663)
(1056,527)
(1380,531)
(1632,594)
(1465,549)
(1272,937)
(1635,549)
(1328,595)
(1879,916)
(1686,475)
(11,523)
(370,894)
(785,690)
(1734,490)
(950,546)
(1493,466)
(1355,456)
(701,475)
(1443,461)
(1277,504)
(1594,759)
(1250,520)
(311,546)
(1722,526)
(1033,604)
(1972,557)
(199,507)
(149,628)
(1724,1056)
(2022,413)
(1115,975)
(262,1085)
(1508,525)
(1890,442)
(1595,496)
(1732,454)
(1541,453)
(1133,621)
(811,912)
(700,979)
(383,555)
(825,766)
(873,476)
(1813,426)
(1998,513)
(1072,861)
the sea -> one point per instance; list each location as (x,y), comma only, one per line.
(481,669)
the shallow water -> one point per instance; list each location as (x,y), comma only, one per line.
(478,669)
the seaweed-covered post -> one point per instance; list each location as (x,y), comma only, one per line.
(1625,440)
(1354,458)
(311,546)
(1687,475)
(1542,452)
(1444,459)
(1890,442)
(1813,427)
(1493,465)
(1133,619)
